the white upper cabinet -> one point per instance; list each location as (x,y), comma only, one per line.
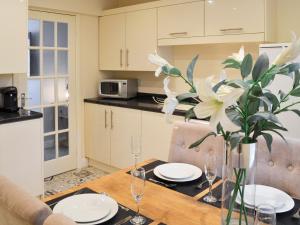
(126,40)
(234,17)
(112,42)
(13,36)
(181,21)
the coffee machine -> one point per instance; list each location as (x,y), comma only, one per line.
(9,99)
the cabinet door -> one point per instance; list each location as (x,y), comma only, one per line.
(14,42)
(97,133)
(234,17)
(125,123)
(21,154)
(156,135)
(141,39)
(183,20)
(112,42)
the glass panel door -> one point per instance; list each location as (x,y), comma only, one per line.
(50,78)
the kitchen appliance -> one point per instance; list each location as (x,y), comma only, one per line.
(117,88)
(9,99)
(289,120)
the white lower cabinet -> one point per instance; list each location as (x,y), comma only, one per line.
(156,135)
(108,132)
(21,154)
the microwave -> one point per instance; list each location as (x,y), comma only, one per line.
(115,88)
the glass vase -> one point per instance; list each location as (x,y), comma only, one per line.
(238,190)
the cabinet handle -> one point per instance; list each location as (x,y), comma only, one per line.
(105,115)
(127,57)
(179,34)
(111,119)
(232,29)
(121,57)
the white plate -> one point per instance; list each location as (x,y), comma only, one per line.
(196,173)
(176,170)
(280,200)
(81,204)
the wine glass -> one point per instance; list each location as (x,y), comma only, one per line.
(136,147)
(210,169)
(138,177)
(265,214)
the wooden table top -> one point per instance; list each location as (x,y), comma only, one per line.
(159,203)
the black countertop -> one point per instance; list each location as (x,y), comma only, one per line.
(143,102)
(11,117)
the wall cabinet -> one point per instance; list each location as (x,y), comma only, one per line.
(13,37)
(21,154)
(181,21)
(126,40)
(108,132)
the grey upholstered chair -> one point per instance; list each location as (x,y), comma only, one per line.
(279,169)
(17,207)
(58,219)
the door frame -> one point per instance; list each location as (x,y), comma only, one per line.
(51,168)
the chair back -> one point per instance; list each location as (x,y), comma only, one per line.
(17,207)
(279,169)
(58,219)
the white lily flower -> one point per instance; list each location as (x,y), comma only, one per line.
(159,61)
(239,56)
(171,101)
(290,53)
(214,104)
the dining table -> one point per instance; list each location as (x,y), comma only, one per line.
(160,204)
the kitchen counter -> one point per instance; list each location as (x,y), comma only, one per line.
(11,117)
(141,102)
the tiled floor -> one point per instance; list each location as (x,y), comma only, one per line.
(70,179)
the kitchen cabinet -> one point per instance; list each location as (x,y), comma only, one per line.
(13,37)
(127,39)
(235,17)
(156,135)
(21,154)
(181,21)
(108,132)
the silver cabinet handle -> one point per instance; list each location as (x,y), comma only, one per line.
(127,57)
(232,29)
(179,34)
(105,115)
(111,119)
(121,57)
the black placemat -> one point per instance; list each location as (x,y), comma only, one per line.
(123,211)
(282,218)
(187,188)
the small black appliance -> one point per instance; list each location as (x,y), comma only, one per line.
(9,99)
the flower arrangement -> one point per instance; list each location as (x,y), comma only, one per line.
(242,109)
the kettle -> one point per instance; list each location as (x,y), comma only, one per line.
(9,99)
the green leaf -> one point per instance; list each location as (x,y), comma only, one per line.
(190,69)
(296,79)
(282,96)
(260,67)
(174,71)
(279,134)
(218,85)
(269,139)
(267,125)
(253,106)
(197,143)
(234,116)
(296,111)
(288,69)
(263,116)
(273,99)
(296,92)
(186,96)
(237,84)
(232,63)
(246,65)
(190,114)
(234,140)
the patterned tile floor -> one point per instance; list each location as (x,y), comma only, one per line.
(70,179)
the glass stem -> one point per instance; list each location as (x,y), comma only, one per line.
(210,189)
(138,209)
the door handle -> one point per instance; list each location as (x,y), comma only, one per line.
(105,118)
(179,34)
(111,120)
(232,29)
(127,57)
(121,57)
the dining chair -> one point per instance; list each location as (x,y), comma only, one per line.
(18,207)
(279,168)
(58,219)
